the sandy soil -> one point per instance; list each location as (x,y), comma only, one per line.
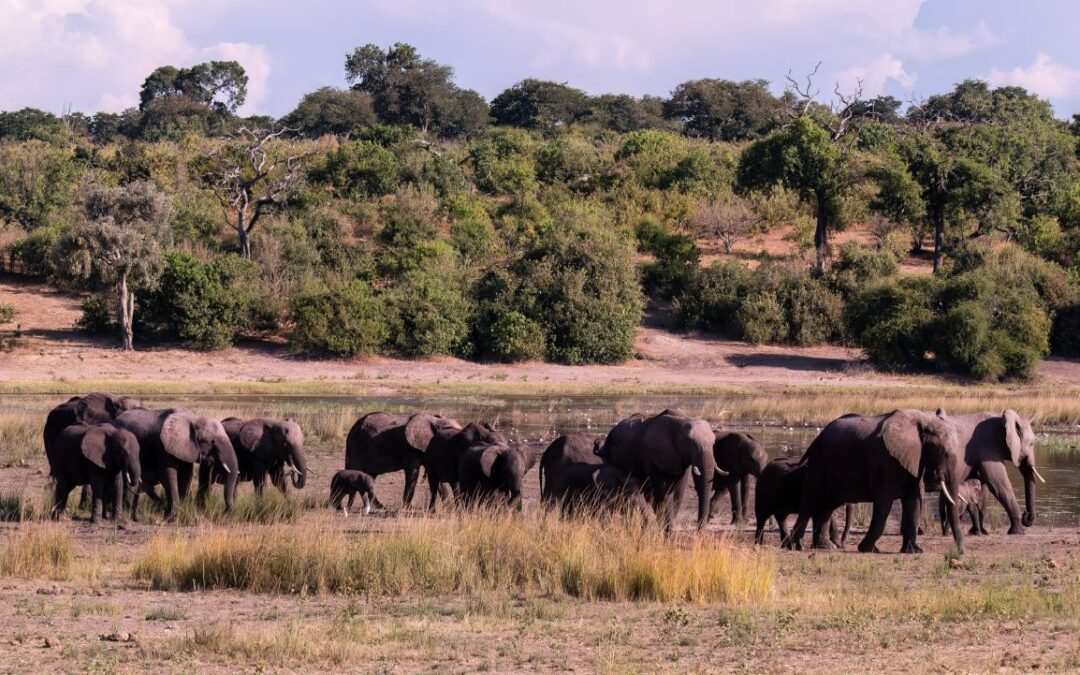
(49,349)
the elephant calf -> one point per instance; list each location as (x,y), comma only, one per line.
(101,456)
(486,471)
(972,494)
(779,494)
(592,488)
(738,457)
(349,482)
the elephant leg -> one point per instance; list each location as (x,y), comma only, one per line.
(877,526)
(97,498)
(834,532)
(997,479)
(434,490)
(258,481)
(744,499)
(84,498)
(135,506)
(781,524)
(737,502)
(911,512)
(943,516)
(412,475)
(759,529)
(823,522)
(794,539)
(118,497)
(367,503)
(205,479)
(183,479)
(172,493)
(714,505)
(60,498)
(849,510)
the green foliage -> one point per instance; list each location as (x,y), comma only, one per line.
(207,305)
(7,313)
(37,181)
(676,258)
(360,169)
(338,318)
(539,104)
(722,110)
(31,124)
(858,264)
(429,312)
(410,238)
(709,299)
(331,111)
(504,162)
(512,336)
(97,317)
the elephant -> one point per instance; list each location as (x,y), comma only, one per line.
(658,450)
(170,442)
(381,442)
(95,408)
(443,456)
(263,447)
(988,442)
(738,457)
(593,487)
(779,494)
(485,471)
(99,455)
(348,482)
(972,495)
(880,459)
(565,452)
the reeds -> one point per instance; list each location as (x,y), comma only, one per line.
(37,550)
(495,550)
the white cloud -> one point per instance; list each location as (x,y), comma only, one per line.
(1045,77)
(945,43)
(874,75)
(94,54)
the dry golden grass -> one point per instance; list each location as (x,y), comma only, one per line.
(464,553)
(20,437)
(37,550)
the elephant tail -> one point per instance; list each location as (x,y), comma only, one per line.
(541,471)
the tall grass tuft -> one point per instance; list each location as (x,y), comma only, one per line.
(271,508)
(496,550)
(37,550)
(20,437)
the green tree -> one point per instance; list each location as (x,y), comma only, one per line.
(37,181)
(118,246)
(331,111)
(31,124)
(623,113)
(221,85)
(539,104)
(722,110)
(805,159)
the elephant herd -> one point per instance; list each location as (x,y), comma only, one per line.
(118,449)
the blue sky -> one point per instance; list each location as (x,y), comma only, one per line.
(94,54)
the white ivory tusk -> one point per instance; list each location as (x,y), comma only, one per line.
(945,491)
(1036,472)
(719,471)
(696,471)
(227,469)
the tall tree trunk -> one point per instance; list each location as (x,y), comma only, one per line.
(939,237)
(125,313)
(821,236)
(242,233)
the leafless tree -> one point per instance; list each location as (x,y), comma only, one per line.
(802,97)
(729,221)
(250,174)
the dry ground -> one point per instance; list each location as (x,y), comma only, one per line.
(1007,607)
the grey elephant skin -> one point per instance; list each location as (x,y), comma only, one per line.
(573,478)
(489,474)
(443,457)
(880,459)
(101,456)
(349,483)
(739,457)
(990,441)
(779,494)
(972,496)
(95,408)
(659,450)
(381,442)
(264,447)
(171,442)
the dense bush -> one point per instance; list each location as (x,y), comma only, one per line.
(429,313)
(676,258)
(511,336)
(360,169)
(342,319)
(710,298)
(97,315)
(857,265)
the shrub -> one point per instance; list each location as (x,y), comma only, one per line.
(760,319)
(858,264)
(338,318)
(891,321)
(572,161)
(7,313)
(429,312)
(676,258)
(504,163)
(711,296)
(360,169)
(512,336)
(410,236)
(97,315)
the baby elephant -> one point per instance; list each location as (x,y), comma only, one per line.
(101,456)
(586,487)
(350,482)
(779,494)
(487,471)
(971,491)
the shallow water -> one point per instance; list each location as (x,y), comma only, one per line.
(541,418)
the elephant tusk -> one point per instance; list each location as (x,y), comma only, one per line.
(945,491)
(1036,472)
(721,472)
(962,500)
(696,471)
(227,469)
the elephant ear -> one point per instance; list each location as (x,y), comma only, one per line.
(178,437)
(251,434)
(93,446)
(419,431)
(900,433)
(1013,440)
(488,457)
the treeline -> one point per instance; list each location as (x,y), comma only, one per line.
(407,215)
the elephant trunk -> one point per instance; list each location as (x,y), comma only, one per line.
(1027,469)
(226,457)
(299,466)
(954,511)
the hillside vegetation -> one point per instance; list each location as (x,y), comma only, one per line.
(407,216)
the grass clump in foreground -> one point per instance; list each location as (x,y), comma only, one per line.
(467,552)
(37,550)
(271,508)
